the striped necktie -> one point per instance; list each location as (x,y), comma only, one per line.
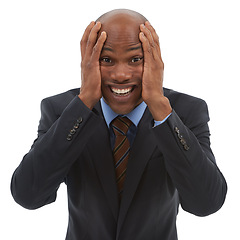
(121,150)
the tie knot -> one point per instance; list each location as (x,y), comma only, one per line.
(121,125)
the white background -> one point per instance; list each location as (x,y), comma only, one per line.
(40,57)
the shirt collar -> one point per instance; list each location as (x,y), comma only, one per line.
(135,115)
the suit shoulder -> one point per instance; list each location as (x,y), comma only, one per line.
(60,101)
(178,98)
(67,95)
(189,108)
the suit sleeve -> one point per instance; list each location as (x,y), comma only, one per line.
(60,142)
(190,161)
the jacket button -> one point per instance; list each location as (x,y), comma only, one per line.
(176,130)
(73,131)
(186,147)
(76,126)
(183,142)
(180,136)
(79,120)
(69,137)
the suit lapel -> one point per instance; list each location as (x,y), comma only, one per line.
(104,163)
(140,154)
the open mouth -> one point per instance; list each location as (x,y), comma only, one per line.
(122,91)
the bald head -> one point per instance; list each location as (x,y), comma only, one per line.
(120,15)
(120,25)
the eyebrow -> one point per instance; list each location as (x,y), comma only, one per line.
(134,48)
(107,49)
(128,50)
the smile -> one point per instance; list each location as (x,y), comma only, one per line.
(121,91)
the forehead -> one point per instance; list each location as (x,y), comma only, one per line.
(122,35)
(121,31)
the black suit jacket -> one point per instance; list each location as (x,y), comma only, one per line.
(169,164)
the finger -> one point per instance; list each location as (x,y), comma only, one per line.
(148,34)
(92,39)
(153,48)
(147,50)
(154,35)
(83,42)
(153,32)
(98,46)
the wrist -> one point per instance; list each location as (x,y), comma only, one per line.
(86,100)
(160,108)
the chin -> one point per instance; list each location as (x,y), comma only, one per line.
(122,112)
(122,103)
(123,109)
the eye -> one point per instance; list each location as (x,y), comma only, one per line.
(105,60)
(136,59)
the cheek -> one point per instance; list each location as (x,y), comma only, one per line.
(139,71)
(105,75)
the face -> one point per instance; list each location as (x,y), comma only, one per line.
(121,65)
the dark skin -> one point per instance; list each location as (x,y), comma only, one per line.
(121,62)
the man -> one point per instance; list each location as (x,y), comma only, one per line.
(128,149)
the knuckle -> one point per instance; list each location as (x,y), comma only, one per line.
(162,66)
(89,42)
(155,67)
(95,49)
(82,42)
(89,65)
(149,49)
(83,64)
(152,44)
(86,64)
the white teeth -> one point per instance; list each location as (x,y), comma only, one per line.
(121,91)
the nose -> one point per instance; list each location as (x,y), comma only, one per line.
(121,73)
